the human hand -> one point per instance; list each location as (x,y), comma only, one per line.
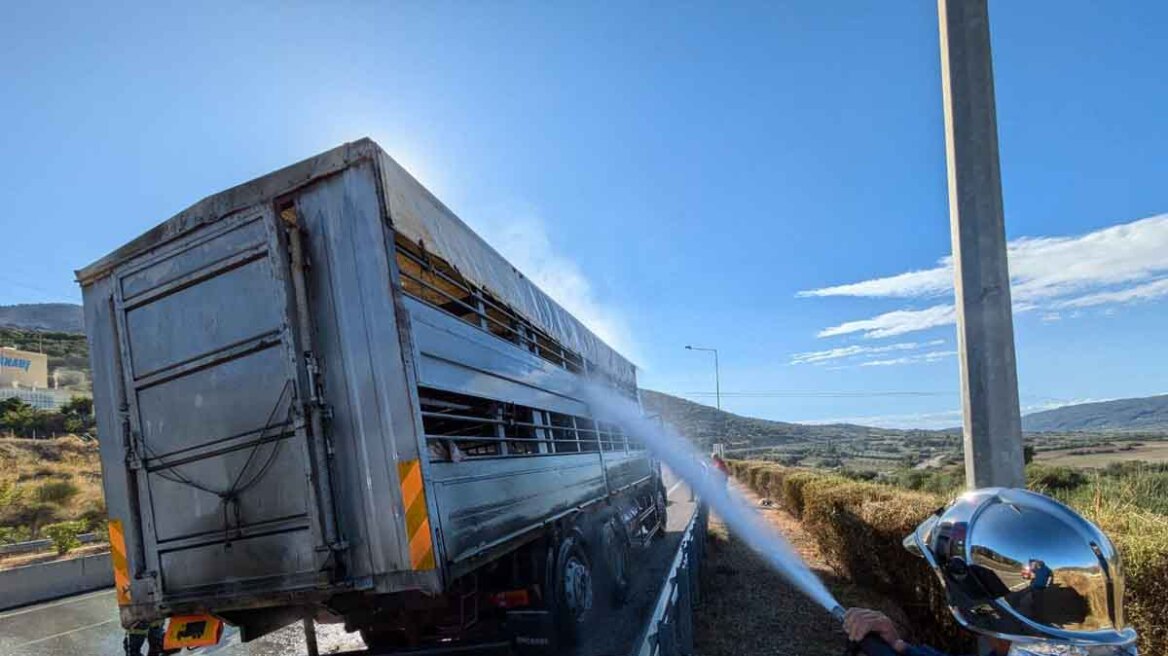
(859,622)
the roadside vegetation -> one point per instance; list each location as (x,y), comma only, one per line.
(50,489)
(859,526)
(19,419)
(1138,486)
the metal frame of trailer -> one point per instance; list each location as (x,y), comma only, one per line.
(321,383)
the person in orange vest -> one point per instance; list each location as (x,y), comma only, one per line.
(720,465)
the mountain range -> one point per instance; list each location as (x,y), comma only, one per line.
(698,421)
(1146,414)
(49,317)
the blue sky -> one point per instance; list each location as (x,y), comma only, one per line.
(754,178)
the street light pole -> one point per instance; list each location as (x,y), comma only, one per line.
(985,327)
(717,376)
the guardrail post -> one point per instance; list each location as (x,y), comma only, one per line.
(697,554)
(684,610)
(667,637)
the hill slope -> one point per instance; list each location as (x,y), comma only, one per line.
(702,422)
(1148,413)
(54,317)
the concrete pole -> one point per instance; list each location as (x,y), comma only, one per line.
(985,326)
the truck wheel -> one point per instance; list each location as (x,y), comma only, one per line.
(573,579)
(615,543)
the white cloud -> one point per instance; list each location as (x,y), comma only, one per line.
(927,282)
(1120,264)
(522,237)
(897,322)
(1146,292)
(918,358)
(848,352)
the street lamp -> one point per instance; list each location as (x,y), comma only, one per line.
(717,377)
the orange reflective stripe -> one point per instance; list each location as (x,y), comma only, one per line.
(117,540)
(411,481)
(417,516)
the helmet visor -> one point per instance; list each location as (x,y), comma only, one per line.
(917,542)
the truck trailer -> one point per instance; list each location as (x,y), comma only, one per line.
(320,395)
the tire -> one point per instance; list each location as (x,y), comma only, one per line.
(614,543)
(573,588)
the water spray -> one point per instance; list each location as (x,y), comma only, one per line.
(734,509)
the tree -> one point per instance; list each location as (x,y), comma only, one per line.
(77,415)
(20,418)
(79,406)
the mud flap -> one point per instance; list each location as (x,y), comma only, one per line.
(533,632)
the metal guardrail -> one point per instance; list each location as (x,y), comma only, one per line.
(40,545)
(670,628)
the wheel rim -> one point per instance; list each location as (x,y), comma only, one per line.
(577,586)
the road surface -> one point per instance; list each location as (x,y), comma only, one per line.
(88,624)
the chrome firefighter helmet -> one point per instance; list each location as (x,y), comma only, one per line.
(1023,567)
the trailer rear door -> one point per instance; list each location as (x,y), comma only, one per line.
(210,367)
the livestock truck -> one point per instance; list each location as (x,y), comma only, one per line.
(321,395)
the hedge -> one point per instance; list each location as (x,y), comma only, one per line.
(860,529)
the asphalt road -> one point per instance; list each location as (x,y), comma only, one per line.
(88,624)
(614,631)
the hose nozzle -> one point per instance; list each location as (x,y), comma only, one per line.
(838,613)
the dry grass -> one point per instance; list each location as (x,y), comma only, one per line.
(45,481)
(747,608)
(1153,452)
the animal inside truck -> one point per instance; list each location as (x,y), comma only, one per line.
(320,394)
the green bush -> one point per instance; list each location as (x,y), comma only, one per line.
(58,492)
(30,516)
(794,484)
(13,534)
(64,535)
(95,518)
(1051,480)
(945,482)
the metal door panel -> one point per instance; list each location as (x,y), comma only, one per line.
(228,308)
(271,499)
(271,561)
(195,256)
(210,369)
(231,399)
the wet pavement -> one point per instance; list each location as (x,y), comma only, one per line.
(87,625)
(616,630)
